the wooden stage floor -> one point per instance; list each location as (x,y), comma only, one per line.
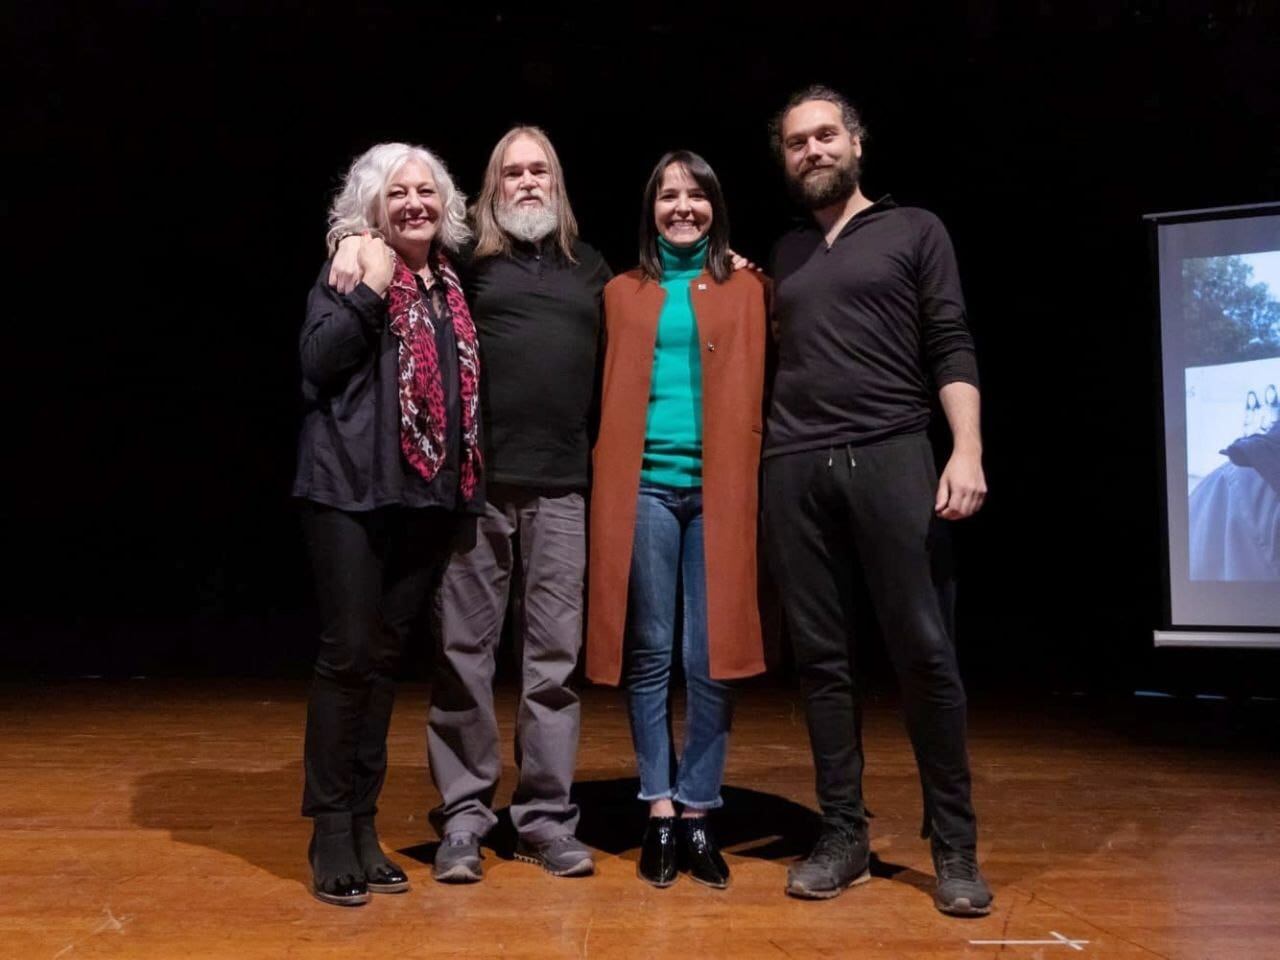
(158,819)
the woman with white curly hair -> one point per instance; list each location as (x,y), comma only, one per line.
(389,457)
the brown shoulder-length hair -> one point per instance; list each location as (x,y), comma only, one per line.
(719,264)
(491,239)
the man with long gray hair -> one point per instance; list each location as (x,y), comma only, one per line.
(535,291)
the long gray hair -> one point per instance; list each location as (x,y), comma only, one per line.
(492,240)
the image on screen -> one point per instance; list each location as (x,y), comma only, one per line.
(1233,416)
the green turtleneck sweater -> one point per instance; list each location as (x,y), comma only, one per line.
(673,431)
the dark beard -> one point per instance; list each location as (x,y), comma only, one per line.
(834,185)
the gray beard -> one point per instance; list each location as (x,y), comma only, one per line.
(528,224)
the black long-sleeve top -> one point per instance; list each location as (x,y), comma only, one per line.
(868,328)
(537,317)
(349,450)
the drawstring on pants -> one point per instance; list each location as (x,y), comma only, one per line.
(831,456)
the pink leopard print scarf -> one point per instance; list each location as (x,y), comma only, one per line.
(422,413)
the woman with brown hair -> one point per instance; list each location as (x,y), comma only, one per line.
(674,504)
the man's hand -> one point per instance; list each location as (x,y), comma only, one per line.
(962,486)
(346,271)
(739,262)
(376,265)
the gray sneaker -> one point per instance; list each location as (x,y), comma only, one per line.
(458,859)
(841,858)
(961,890)
(565,856)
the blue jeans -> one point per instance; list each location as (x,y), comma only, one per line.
(668,552)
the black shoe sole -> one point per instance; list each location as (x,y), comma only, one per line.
(660,884)
(804,893)
(722,885)
(401,887)
(358,900)
(583,868)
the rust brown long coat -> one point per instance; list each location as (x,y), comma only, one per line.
(731,322)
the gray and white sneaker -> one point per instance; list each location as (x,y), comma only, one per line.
(458,859)
(565,856)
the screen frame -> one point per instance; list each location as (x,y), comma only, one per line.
(1198,633)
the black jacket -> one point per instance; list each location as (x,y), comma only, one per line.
(349,450)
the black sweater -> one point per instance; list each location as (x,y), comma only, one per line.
(349,450)
(868,329)
(537,317)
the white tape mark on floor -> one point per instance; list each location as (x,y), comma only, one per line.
(1058,941)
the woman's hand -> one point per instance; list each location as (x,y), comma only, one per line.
(376,265)
(346,270)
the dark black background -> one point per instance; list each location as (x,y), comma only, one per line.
(171,167)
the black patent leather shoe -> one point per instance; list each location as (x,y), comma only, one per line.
(380,874)
(386,877)
(344,891)
(701,853)
(659,853)
(336,876)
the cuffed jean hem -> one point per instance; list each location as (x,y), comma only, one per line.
(715,804)
(651,797)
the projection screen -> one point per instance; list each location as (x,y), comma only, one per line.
(1219,300)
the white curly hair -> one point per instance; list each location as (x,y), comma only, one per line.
(361,202)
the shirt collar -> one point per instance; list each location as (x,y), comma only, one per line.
(886,202)
(526,250)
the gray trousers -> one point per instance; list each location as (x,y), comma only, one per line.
(539,541)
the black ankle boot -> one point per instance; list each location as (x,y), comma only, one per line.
(336,875)
(659,853)
(380,874)
(702,854)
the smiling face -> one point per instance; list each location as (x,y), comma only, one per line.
(820,156)
(413,207)
(681,209)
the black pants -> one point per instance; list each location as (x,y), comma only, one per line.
(374,572)
(829,515)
